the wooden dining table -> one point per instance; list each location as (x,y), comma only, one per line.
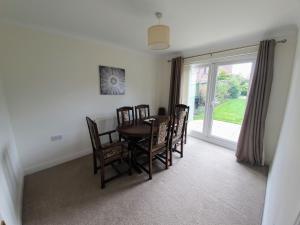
(138,128)
(135,131)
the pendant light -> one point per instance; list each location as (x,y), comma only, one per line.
(159,35)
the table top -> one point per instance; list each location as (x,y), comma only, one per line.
(137,128)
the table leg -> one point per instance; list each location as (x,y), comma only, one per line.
(133,159)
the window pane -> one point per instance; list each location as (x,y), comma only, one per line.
(197,96)
(231,91)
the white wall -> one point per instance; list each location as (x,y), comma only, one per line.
(11,174)
(283,69)
(282,203)
(164,83)
(52,83)
(284,57)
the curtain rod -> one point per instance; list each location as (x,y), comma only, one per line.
(229,49)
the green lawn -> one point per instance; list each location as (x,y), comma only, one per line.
(231,111)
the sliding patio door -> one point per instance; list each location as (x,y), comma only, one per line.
(217,95)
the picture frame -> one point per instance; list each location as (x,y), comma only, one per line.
(112,80)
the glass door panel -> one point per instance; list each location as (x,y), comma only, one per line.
(198,87)
(230,98)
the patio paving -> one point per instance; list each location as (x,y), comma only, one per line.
(228,131)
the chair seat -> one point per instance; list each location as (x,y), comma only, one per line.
(144,145)
(112,151)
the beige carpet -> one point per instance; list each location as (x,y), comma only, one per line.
(206,187)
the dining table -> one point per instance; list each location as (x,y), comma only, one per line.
(136,130)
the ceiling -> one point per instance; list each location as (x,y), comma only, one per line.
(193,23)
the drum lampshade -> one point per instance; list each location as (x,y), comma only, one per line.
(159,37)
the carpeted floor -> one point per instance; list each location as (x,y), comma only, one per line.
(206,187)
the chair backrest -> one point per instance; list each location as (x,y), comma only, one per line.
(162,137)
(94,134)
(163,131)
(179,123)
(182,107)
(142,111)
(125,115)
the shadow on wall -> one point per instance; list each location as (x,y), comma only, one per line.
(8,169)
(9,182)
(298,219)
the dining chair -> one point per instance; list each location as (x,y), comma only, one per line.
(142,111)
(156,145)
(107,154)
(186,108)
(125,115)
(177,133)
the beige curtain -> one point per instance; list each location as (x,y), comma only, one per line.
(250,143)
(175,83)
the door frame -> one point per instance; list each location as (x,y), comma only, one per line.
(210,96)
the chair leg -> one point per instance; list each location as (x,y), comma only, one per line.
(185,135)
(102,177)
(171,155)
(167,159)
(129,162)
(150,166)
(181,148)
(95,164)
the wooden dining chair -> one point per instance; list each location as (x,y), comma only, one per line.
(177,133)
(142,111)
(186,108)
(156,145)
(125,115)
(106,154)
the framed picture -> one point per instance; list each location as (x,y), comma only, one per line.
(112,80)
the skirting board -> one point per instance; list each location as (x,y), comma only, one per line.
(63,159)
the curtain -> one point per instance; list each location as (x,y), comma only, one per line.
(250,143)
(175,80)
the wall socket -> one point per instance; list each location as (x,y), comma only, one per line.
(56,138)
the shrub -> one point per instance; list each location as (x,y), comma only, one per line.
(230,86)
(234,91)
(222,91)
(244,88)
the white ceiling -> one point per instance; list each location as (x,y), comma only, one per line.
(193,23)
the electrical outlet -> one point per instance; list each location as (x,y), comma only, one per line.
(56,138)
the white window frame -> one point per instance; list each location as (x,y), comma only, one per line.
(213,64)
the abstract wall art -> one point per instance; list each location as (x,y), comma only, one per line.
(112,80)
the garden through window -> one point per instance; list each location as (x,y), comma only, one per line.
(217,96)
(231,91)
